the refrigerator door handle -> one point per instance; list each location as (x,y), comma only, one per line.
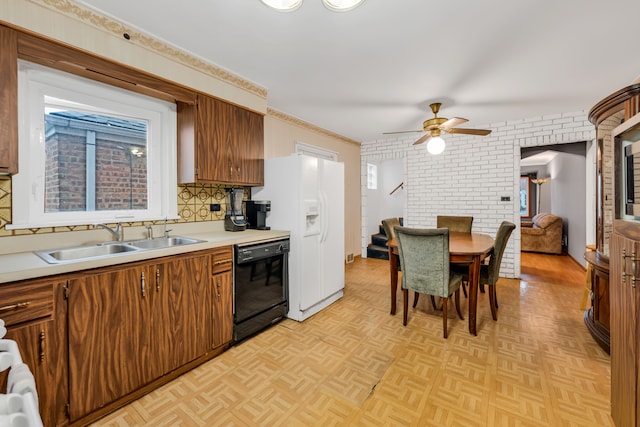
(324,213)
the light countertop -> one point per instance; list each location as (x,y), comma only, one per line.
(28,265)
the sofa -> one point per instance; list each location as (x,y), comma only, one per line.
(542,234)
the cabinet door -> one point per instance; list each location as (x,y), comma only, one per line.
(214,148)
(222,324)
(624,329)
(250,147)
(44,354)
(229,143)
(184,309)
(35,315)
(8,100)
(110,349)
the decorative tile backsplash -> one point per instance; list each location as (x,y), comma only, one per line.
(193,206)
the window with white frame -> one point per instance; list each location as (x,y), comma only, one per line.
(91,152)
(372,176)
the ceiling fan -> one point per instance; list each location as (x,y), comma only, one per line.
(436,125)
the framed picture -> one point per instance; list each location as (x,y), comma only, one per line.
(525,197)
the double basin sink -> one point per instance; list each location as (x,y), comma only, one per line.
(109,249)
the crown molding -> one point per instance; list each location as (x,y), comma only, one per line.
(287,118)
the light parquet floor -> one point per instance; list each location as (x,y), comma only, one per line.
(355,364)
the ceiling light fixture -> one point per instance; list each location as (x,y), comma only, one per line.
(283,5)
(435,145)
(291,5)
(342,5)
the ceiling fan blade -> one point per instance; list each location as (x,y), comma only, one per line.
(481,132)
(423,139)
(453,122)
(403,131)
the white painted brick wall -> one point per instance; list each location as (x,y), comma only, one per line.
(472,174)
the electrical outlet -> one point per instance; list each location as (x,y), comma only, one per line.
(214,207)
(505,199)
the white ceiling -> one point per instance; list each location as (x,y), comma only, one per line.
(375,69)
(539,159)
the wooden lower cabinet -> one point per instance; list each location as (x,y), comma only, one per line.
(42,348)
(130,326)
(94,339)
(111,350)
(221,331)
(597,317)
(625,328)
(221,319)
(181,317)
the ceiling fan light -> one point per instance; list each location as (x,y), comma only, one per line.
(283,5)
(342,5)
(435,145)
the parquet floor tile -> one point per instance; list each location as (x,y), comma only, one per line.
(354,364)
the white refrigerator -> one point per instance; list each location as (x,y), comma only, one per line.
(307,198)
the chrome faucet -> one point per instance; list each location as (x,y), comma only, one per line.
(149,231)
(117,233)
(166,232)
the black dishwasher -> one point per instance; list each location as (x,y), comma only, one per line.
(261,286)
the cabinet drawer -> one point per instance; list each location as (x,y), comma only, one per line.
(22,303)
(222,259)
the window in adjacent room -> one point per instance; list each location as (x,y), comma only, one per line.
(372,176)
(90,152)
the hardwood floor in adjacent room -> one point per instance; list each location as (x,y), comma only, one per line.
(355,364)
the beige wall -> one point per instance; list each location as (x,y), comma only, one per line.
(75,25)
(280,135)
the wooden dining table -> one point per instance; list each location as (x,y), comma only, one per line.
(464,248)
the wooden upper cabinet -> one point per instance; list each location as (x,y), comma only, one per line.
(8,100)
(219,142)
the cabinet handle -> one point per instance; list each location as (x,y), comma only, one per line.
(219,286)
(624,265)
(42,346)
(633,270)
(633,267)
(142,284)
(15,306)
(157,280)
(224,261)
(231,169)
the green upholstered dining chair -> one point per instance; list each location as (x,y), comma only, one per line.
(424,256)
(489,272)
(460,224)
(455,223)
(388,226)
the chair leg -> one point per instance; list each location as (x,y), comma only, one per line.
(416,295)
(445,303)
(481,287)
(464,288)
(457,300)
(433,302)
(492,302)
(405,295)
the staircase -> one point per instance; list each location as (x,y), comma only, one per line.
(378,246)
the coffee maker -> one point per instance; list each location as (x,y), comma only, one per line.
(234,219)
(257,214)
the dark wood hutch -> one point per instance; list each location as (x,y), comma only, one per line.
(613,318)
(606,115)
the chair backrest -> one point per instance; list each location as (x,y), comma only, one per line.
(455,223)
(502,237)
(424,257)
(388,225)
